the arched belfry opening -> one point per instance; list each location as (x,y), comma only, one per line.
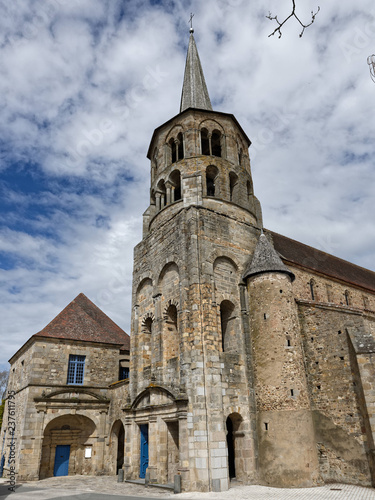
(233,183)
(211,180)
(175,179)
(173,146)
(180,147)
(205,142)
(216,143)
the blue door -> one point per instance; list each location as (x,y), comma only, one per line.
(144,450)
(62,460)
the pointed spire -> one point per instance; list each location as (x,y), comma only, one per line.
(194,90)
(266,260)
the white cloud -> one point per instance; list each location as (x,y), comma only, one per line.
(84,84)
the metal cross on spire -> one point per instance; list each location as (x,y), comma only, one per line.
(191,23)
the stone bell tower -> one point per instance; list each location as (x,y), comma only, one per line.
(192,405)
(190,382)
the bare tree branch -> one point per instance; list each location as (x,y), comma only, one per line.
(292,14)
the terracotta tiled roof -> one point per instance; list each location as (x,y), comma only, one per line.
(83,320)
(303,255)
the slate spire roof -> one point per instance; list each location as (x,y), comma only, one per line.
(194,89)
(265,259)
(83,320)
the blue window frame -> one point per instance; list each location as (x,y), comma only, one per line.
(76,368)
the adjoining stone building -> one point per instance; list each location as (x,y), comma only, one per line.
(251,354)
(63,378)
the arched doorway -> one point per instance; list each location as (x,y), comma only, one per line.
(235,444)
(231,453)
(68,445)
(118,445)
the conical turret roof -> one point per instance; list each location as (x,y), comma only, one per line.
(265,260)
(194,90)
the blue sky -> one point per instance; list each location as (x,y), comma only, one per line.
(84,84)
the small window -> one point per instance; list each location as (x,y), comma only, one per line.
(76,369)
(124,373)
(347,298)
(312,291)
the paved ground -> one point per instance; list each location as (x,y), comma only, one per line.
(107,488)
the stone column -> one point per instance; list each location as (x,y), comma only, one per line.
(153,455)
(183,438)
(128,452)
(158,201)
(224,146)
(38,442)
(168,186)
(100,444)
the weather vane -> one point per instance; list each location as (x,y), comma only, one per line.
(191,23)
(371,63)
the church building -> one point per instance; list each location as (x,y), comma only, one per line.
(251,355)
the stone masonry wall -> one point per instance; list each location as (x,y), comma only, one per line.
(339,421)
(50,358)
(331,291)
